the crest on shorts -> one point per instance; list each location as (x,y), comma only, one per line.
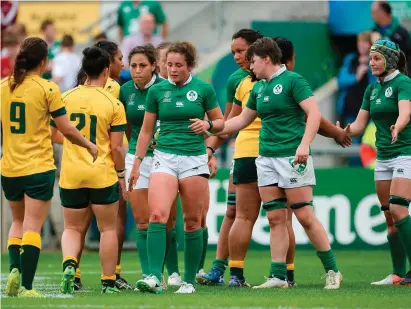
(388,92)
(278,89)
(299,168)
(192,95)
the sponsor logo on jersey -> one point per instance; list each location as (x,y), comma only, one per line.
(192,95)
(388,92)
(140,107)
(179,104)
(266,98)
(278,89)
(378,101)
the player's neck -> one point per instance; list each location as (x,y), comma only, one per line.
(98,82)
(271,70)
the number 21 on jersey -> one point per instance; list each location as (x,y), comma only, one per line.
(81,118)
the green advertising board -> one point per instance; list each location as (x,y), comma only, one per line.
(345,202)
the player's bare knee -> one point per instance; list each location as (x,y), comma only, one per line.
(158,217)
(191,224)
(276,217)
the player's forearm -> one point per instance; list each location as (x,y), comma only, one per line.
(215,142)
(75,137)
(327,129)
(118,156)
(312,126)
(228,107)
(144,140)
(402,121)
(218,125)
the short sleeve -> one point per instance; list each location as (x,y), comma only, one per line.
(366,99)
(404,90)
(238,96)
(252,99)
(301,90)
(211,99)
(231,86)
(55,103)
(159,14)
(151,101)
(119,122)
(123,98)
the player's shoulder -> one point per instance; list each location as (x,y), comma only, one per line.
(74,90)
(160,84)
(402,78)
(48,86)
(5,82)
(127,85)
(235,78)
(292,75)
(111,83)
(197,81)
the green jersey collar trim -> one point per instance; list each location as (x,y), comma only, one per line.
(390,76)
(149,84)
(190,78)
(282,69)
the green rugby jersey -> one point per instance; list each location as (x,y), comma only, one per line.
(381,101)
(134,101)
(174,107)
(283,120)
(233,82)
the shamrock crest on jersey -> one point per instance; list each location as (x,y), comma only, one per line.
(278,89)
(192,95)
(299,168)
(388,92)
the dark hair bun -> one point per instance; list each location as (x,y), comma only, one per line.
(92,52)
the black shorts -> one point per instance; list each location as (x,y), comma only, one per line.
(245,171)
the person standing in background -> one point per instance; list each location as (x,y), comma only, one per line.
(129,13)
(389,28)
(50,33)
(145,36)
(10,49)
(66,65)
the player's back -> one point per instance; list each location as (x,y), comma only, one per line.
(25,117)
(93,111)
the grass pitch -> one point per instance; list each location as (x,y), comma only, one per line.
(359,268)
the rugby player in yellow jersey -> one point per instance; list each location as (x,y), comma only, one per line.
(111,86)
(27,165)
(102,119)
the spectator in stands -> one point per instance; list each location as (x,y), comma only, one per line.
(66,65)
(9,10)
(389,28)
(129,13)
(102,36)
(10,49)
(353,78)
(144,36)
(49,31)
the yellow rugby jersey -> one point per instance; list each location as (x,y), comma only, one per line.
(246,143)
(94,113)
(25,118)
(113,88)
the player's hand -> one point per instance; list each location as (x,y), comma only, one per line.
(199,126)
(209,154)
(301,155)
(135,174)
(347,130)
(342,139)
(394,134)
(123,188)
(212,165)
(92,149)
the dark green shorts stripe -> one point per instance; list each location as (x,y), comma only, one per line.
(245,171)
(37,186)
(59,112)
(81,198)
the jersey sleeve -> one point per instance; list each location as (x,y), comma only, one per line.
(231,87)
(119,122)
(151,101)
(211,99)
(301,90)
(159,14)
(404,90)
(252,99)
(55,103)
(238,96)
(366,99)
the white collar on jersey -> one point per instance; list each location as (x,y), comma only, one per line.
(149,84)
(282,69)
(187,81)
(390,76)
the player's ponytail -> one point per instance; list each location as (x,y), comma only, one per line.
(402,63)
(32,52)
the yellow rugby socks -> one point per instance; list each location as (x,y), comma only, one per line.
(290,272)
(29,258)
(237,268)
